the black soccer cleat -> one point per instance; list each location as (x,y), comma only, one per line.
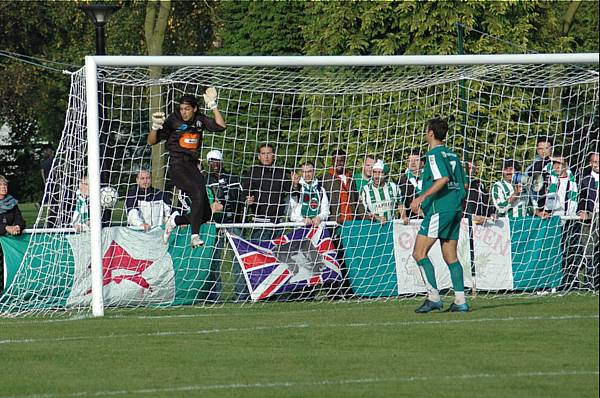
(429,306)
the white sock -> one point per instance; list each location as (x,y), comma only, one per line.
(195,236)
(433,295)
(172,219)
(459,298)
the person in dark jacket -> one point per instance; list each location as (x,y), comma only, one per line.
(225,196)
(587,210)
(410,181)
(11,219)
(478,204)
(266,188)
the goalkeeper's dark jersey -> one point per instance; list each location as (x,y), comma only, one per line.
(185,138)
(441,162)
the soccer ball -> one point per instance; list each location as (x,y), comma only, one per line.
(108,197)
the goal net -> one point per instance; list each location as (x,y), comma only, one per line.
(535,118)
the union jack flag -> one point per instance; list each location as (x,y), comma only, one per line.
(295,261)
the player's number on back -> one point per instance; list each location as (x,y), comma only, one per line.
(453,165)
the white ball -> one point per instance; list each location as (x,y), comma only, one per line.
(108,197)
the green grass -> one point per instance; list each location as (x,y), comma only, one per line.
(520,346)
(30,212)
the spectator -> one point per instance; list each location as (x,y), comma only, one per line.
(146,206)
(11,219)
(46,166)
(410,182)
(542,164)
(542,159)
(506,196)
(561,200)
(183,131)
(267,188)
(561,195)
(362,178)
(341,189)
(381,198)
(588,213)
(225,197)
(478,200)
(309,203)
(224,190)
(343,201)
(81,214)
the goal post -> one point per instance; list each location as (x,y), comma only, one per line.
(359,104)
(93,134)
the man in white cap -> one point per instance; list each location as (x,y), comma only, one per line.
(224,192)
(381,198)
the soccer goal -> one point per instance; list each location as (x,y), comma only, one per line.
(499,109)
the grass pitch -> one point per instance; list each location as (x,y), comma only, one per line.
(520,346)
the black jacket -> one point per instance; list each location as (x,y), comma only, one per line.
(227,189)
(10,218)
(270,187)
(588,194)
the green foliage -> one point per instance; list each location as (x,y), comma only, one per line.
(261,28)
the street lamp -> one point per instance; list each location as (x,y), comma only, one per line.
(100,13)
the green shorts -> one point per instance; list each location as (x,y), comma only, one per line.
(444,225)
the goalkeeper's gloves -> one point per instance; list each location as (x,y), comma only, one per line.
(158,118)
(210,98)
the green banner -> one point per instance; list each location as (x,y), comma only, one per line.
(13,249)
(536,252)
(535,245)
(369,258)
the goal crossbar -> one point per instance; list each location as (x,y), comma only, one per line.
(352,60)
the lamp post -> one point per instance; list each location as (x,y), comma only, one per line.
(100,13)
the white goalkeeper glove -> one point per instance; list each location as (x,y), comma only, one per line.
(158,118)
(210,97)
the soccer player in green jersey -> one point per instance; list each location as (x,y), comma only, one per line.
(441,200)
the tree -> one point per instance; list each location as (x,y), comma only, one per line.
(261,28)
(155,26)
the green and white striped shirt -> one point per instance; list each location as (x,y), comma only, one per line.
(501,191)
(562,195)
(381,201)
(81,215)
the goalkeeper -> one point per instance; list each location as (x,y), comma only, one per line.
(182,130)
(442,198)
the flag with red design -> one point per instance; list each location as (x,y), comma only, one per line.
(136,268)
(293,262)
